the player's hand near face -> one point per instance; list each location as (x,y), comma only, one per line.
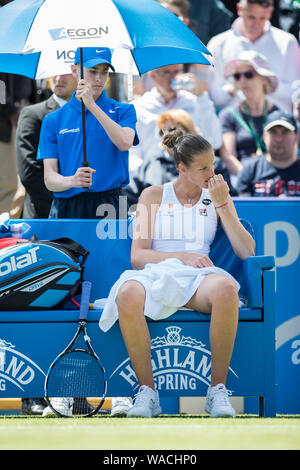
(218,190)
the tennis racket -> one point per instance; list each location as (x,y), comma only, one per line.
(77,372)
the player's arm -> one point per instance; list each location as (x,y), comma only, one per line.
(241,241)
(56,182)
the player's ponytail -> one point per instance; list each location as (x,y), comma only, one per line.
(185,146)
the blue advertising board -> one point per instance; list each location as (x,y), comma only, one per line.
(276,223)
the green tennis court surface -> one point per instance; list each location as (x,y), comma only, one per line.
(166,432)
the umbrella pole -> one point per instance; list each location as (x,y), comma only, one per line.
(85,162)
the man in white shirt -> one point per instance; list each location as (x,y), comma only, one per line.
(252,30)
(165,96)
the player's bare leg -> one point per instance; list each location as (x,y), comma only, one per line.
(218,295)
(131,301)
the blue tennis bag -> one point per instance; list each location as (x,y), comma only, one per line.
(39,275)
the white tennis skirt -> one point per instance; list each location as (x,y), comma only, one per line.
(169,285)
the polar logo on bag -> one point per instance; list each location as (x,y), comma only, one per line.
(18,262)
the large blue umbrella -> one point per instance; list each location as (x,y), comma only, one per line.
(38,38)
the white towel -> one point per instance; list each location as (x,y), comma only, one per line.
(169,285)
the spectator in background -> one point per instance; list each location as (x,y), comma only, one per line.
(297,116)
(209,18)
(164,96)
(278,172)
(205,19)
(180,8)
(243,124)
(38,198)
(231,6)
(253,30)
(162,168)
(17,92)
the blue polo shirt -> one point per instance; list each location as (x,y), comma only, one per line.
(61,138)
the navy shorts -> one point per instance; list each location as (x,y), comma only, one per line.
(91,205)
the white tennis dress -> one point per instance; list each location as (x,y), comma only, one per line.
(170,284)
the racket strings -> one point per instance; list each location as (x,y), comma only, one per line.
(76,375)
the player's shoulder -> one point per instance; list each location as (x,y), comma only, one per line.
(152,194)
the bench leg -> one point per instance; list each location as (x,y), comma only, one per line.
(261,406)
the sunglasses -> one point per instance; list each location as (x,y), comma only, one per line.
(248,74)
(164,131)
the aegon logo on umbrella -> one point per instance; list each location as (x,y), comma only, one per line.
(63,33)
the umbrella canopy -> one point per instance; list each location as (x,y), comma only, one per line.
(44,34)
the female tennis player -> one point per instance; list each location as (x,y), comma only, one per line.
(175,227)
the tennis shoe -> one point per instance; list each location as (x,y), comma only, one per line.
(33,406)
(63,405)
(146,404)
(217,402)
(120,406)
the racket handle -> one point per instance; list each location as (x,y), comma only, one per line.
(85,298)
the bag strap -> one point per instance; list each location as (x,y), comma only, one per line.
(74,247)
(259,142)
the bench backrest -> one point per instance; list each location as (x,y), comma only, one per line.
(109,244)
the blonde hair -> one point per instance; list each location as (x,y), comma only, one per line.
(180,118)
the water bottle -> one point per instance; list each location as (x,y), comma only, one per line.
(8,229)
(183,82)
(17,230)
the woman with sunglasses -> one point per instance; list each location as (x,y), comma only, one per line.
(242,125)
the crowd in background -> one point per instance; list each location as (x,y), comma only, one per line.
(256,73)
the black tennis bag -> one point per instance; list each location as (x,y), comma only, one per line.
(40,275)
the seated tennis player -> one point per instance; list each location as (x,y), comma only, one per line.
(175,226)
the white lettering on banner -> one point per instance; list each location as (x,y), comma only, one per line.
(15,367)
(286,332)
(2,92)
(18,262)
(296,354)
(293,246)
(178,362)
